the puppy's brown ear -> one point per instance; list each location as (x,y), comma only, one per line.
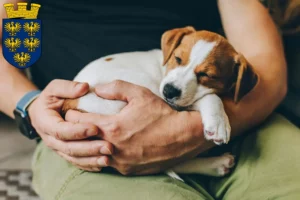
(171,39)
(246,77)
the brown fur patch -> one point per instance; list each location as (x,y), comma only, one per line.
(108,59)
(69,104)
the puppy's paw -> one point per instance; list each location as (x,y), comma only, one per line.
(217,128)
(225,162)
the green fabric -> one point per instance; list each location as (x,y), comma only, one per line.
(268,167)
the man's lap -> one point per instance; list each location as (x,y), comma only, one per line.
(56,179)
(267,168)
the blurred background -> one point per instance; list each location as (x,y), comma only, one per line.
(286,14)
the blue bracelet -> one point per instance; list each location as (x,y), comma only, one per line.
(26,100)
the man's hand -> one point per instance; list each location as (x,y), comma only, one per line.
(148,136)
(67,138)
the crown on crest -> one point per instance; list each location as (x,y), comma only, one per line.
(22,11)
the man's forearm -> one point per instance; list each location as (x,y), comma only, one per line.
(250,29)
(13,85)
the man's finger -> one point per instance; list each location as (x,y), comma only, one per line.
(80,148)
(66,89)
(89,118)
(119,90)
(87,162)
(54,125)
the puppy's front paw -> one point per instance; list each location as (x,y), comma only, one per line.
(217,128)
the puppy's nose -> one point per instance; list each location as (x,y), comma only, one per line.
(170,91)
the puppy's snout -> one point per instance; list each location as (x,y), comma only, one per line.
(170,91)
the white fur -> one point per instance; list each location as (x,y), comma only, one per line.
(144,69)
(213,166)
(214,118)
(140,68)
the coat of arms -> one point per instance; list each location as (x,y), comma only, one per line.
(21,39)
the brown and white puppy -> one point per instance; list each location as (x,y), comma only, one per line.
(198,67)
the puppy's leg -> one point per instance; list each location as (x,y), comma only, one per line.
(212,166)
(214,119)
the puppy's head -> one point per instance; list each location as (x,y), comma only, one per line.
(202,62)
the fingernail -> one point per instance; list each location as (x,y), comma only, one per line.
(78,85)
(91,132)
(105,151)
(102,161)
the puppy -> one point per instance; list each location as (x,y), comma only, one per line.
(198,67)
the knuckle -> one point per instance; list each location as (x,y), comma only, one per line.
(57,132)
(52,101)
(144,92)
(125,170)
(92,151)
(79,135)
(51,84)
(90,164)
(54,81)
(117,83)
(57,135)
(68,150)
(114,127)
(123,167)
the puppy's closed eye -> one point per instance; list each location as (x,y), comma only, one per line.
(202,74)
(178,60)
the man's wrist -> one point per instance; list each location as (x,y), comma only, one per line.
(21,114)
(195,125)
(26,100)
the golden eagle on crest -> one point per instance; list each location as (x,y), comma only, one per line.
(31,43)
(31,28)
(22,58)
(12,28)
(12,43)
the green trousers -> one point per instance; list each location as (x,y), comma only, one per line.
(268,168)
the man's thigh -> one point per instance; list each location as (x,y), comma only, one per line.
(268,166)
(54,178)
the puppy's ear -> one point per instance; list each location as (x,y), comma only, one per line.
(246,77)
(171,39)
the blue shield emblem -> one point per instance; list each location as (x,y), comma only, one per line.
(21,41)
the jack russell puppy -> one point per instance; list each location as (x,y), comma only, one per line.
(198,67)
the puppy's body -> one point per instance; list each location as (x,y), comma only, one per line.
(140,68)
(196,67)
